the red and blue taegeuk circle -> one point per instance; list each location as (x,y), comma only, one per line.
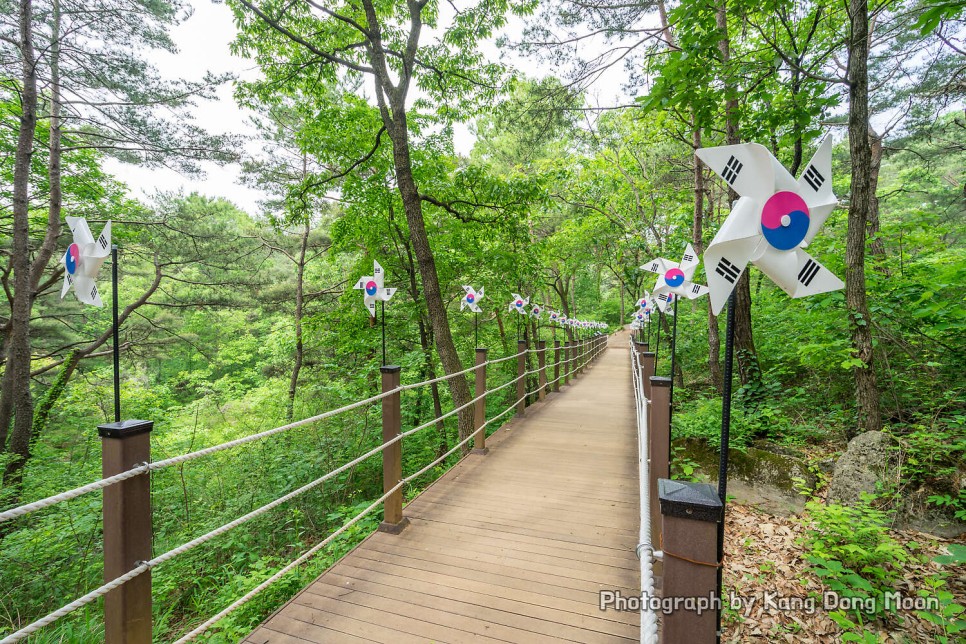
(785,220)
(371,288)
(674,277)
(518,304)
(470,298)
(71,258)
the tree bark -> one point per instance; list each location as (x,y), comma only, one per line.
(860,205)
(299,309)
(697,240)
(876,243)
(19,341)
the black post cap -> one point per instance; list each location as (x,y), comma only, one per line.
(687,500)
(481,349)
(390,368)
(660,381)
(647,354)
(125,428)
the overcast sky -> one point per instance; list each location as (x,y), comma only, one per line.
(203,42)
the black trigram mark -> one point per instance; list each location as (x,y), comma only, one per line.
(102,241)
(727,270)
(377,270)
(70,280)
(688,258)
(813,178)
(654,267)
(662,297)
(94,293)
(696,288)
(731,170)
(808,272)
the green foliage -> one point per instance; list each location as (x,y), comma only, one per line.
(851,551)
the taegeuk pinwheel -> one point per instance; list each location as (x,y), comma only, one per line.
(773,221)
(83,261)
(676,278)
(374,288)
(519,304)
(471,299)
(536,311)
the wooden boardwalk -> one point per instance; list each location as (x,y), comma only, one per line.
(512,546)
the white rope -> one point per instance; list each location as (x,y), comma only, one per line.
(645,548)
(34,506)
(281,573)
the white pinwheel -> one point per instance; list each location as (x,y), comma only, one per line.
(470,299)
(519,304)
(536,311)
(676,278)
(374,288)
(554,316)
(83,261)
(775,218)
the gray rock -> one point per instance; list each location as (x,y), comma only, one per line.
(868,465)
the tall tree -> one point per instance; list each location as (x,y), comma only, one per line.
(387,44)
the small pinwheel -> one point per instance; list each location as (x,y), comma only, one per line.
(554,316)
(83,261)
(536,311)
(519,304)
(674,278)
(775,218)
(374,288)
(470,299)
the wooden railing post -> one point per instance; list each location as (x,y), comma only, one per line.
(556,365)
(568,354)
(522,382)
(393,519)
(647,370)
(479,408)
(542,368)
(691,513)
(659,449)
(127,531)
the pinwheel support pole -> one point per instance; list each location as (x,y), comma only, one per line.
(556,362)
(725,434)
(382,317)
(476,329)
(117,347)
(674,347)
(657,345)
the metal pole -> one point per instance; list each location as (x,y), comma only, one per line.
(657,346)
(382,307)
(476,327)
(725,434)
(117,348)
(674,346)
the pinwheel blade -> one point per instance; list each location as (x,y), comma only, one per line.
(746,167)
(815,187)
(798,273)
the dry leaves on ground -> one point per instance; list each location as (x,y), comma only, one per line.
(765,562)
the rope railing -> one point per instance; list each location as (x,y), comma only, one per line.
(144,566)
(645,548)
(34,506)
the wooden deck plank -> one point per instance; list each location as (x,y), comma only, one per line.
(513,546)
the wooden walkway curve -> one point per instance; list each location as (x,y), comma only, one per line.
(511,546)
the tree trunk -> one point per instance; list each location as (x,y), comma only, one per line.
(697,240)
(299,309)
(19,352)
(861,202)
(744,340)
